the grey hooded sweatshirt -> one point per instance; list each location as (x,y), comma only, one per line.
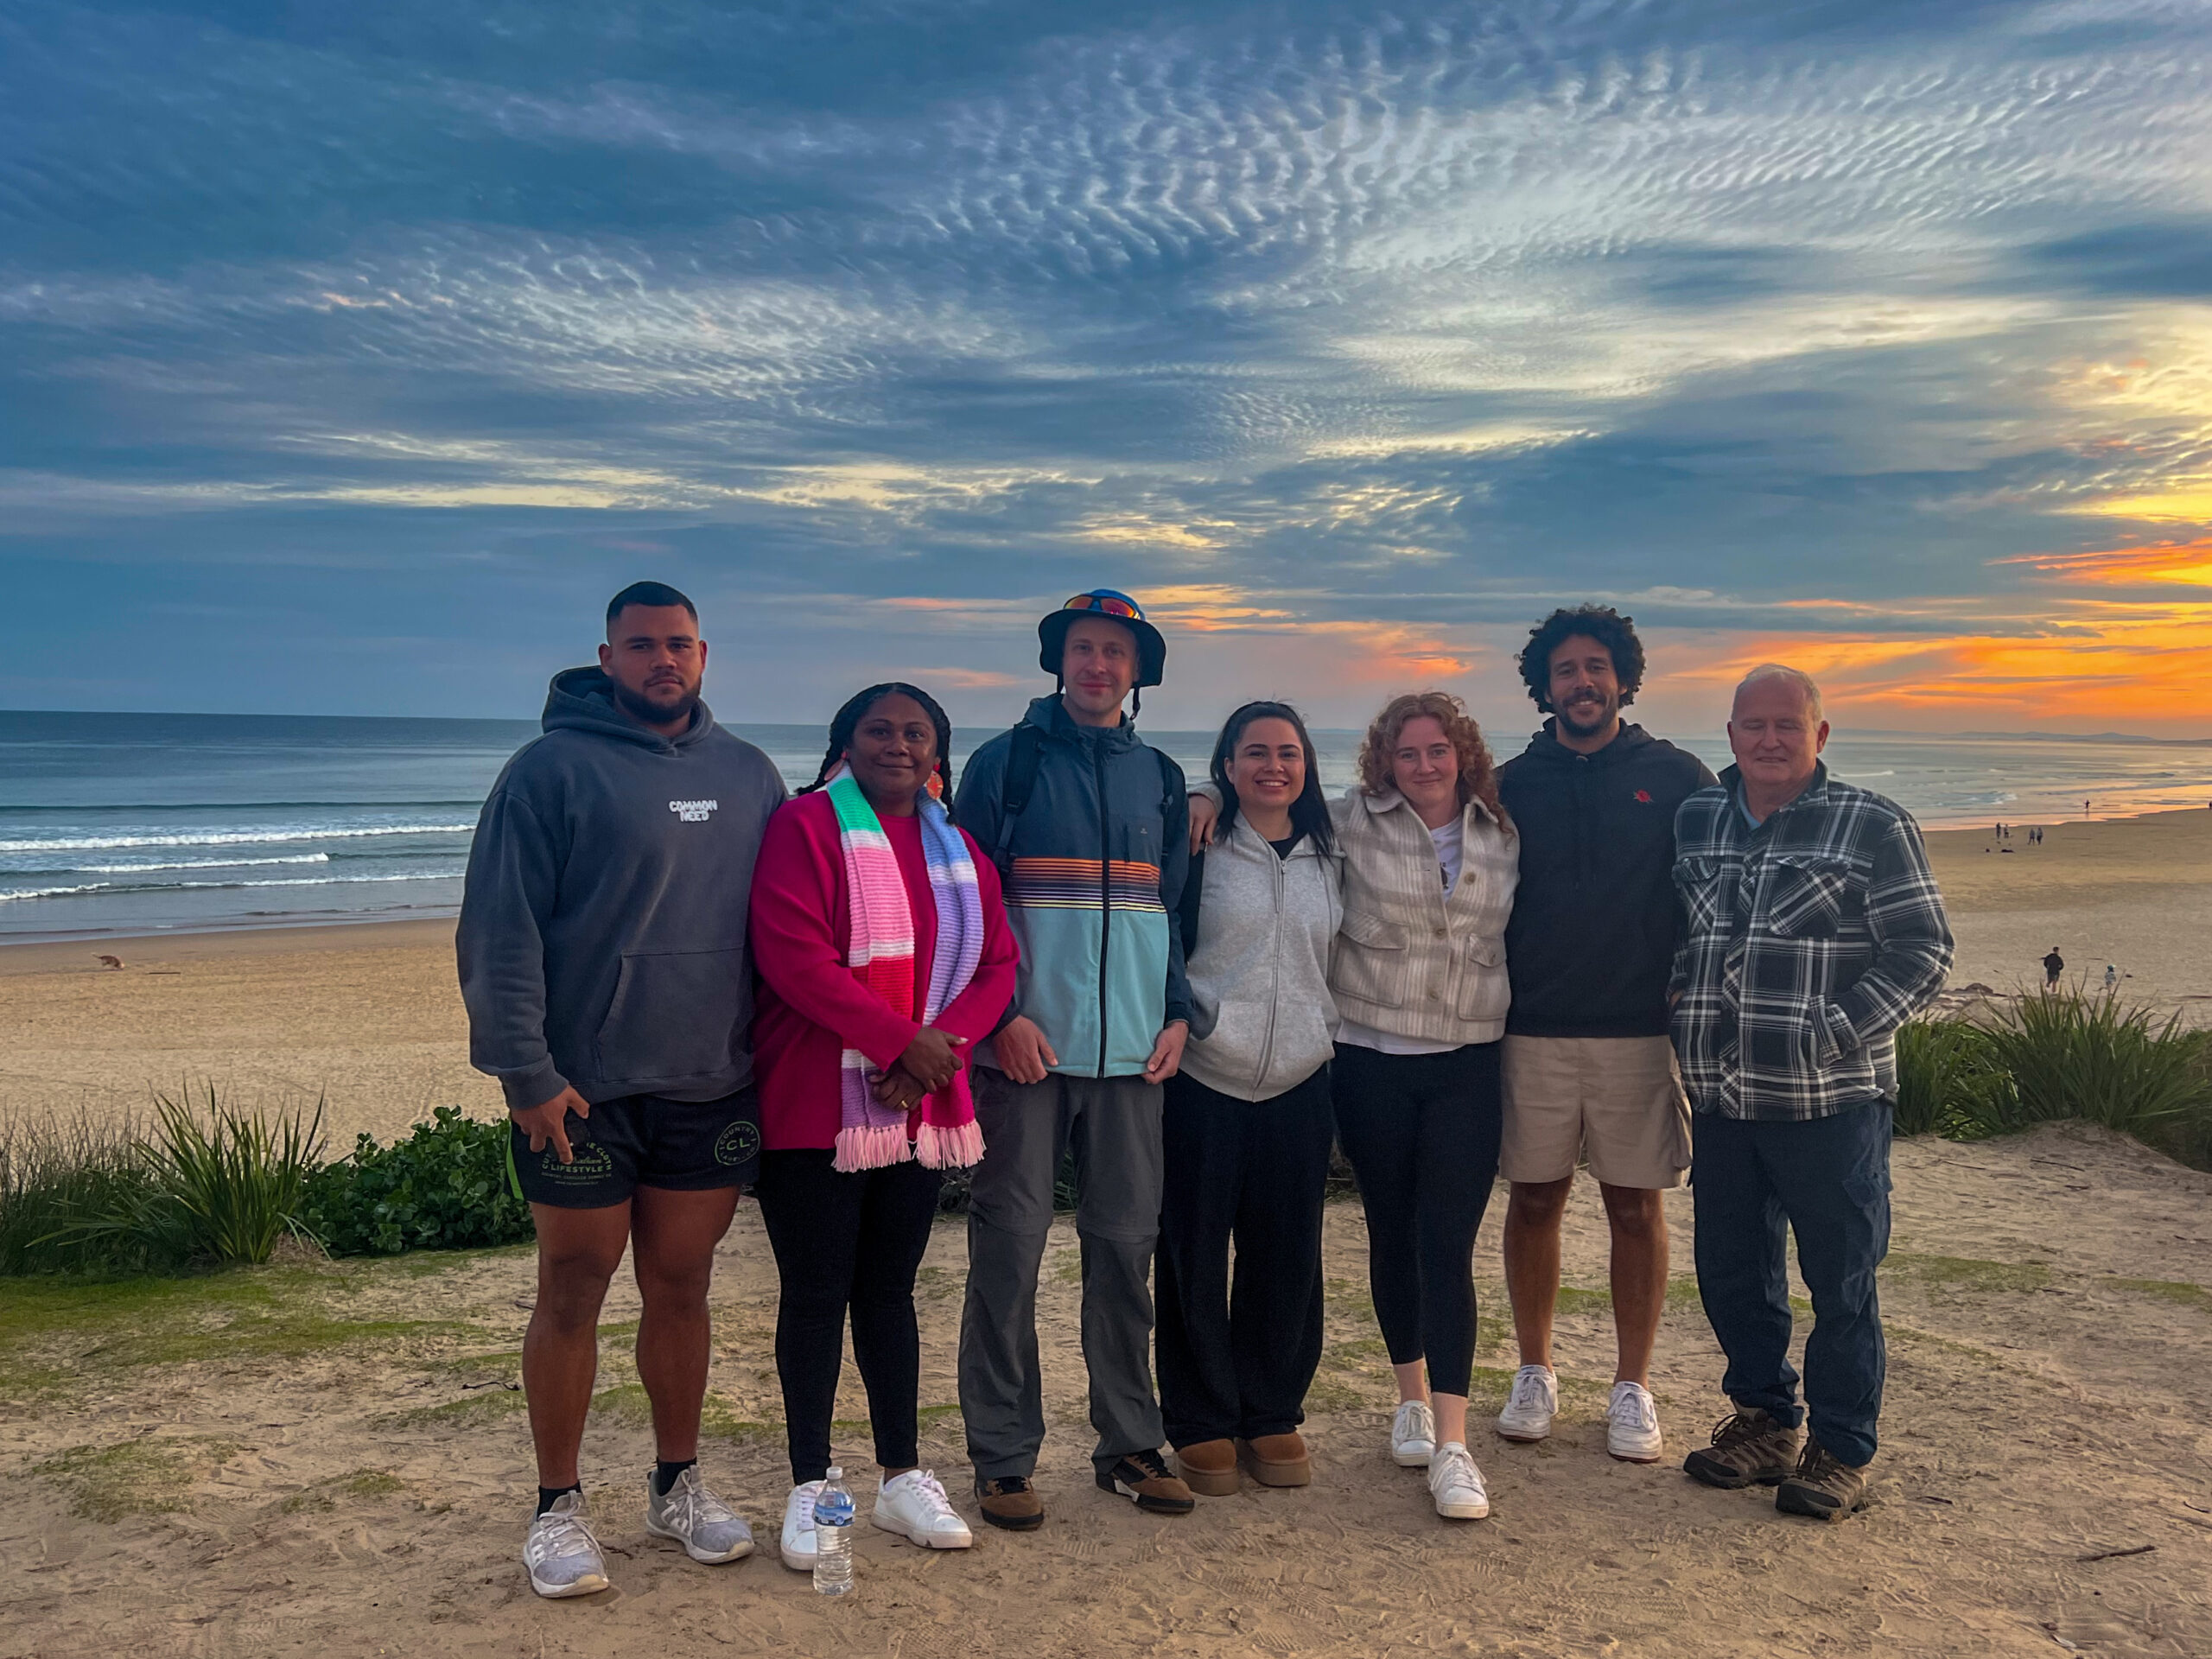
(602,927)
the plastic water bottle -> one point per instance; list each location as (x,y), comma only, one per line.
(833,1536)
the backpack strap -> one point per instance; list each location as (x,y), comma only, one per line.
(1024,748)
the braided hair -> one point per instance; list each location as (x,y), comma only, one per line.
(848,721)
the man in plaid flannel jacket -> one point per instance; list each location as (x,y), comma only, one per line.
(1812,930)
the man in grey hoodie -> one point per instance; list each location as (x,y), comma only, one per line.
(603,962)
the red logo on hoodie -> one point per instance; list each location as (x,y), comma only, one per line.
(1643,795)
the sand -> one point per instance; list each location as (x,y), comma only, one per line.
(2136,892)
(345,1486)
(2048,1404)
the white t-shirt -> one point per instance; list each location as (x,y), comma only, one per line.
(1450,842)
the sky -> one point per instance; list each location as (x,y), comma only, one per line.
(350,356)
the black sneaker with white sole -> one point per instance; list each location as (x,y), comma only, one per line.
(1145,1479)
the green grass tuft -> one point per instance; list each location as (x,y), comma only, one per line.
(146,1477)
(2179,1291)
(1967,1272)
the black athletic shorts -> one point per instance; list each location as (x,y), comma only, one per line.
(680,1146)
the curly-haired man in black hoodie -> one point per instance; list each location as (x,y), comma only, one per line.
(1588,1067)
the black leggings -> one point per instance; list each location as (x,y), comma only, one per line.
(1421,1131)
(847,1241)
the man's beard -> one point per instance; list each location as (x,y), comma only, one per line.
(647,712)
(1576,717)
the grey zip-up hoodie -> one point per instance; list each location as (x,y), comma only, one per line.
(602,927)
(1262,1018)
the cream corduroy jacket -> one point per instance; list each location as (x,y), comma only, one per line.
(1412,959)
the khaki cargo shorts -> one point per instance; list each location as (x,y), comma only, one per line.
(1618,1100)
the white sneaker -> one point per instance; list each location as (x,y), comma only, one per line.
(1413,1435)
(561,1552)
(1457,1484)
(1528,1415)
(914,1506)
(797,1546)
(1632,1425)
(708,1529)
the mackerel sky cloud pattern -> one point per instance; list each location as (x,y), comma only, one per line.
(349,356)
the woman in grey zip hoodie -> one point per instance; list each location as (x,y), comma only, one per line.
(1248,1123)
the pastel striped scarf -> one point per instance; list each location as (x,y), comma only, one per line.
(881,956)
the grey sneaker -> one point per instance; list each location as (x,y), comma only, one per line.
(561,1553)
(1749,1446)
(708,1529)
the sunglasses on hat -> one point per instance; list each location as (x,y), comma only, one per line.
(1104,605)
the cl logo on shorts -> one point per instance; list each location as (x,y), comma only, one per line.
(740,1143)
(693,811)
(592,1164)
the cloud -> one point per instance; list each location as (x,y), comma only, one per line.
(1354,339)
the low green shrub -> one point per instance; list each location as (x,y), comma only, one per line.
(443,1188)
(55,1174)
(222,1190)
(1950,1081)
(2072,1055)
(2056,1055)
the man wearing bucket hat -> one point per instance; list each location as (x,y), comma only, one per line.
(1089,827)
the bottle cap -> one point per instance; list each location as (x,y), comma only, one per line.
(836,1474)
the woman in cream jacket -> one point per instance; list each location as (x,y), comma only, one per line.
(1418,981)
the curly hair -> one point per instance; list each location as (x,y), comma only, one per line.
(1615,633)
(1478,776)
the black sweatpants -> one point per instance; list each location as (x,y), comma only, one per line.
(1421,1131)
(846,1241)
(1236,1354)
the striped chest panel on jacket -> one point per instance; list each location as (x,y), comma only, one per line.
(1080,884)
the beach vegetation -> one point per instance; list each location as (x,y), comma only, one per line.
(1968,1273)
(2056,1056)
(326,1495)
(153,1475)
(2179,1291)
(211,1185)
(54,1173)
(444,1187)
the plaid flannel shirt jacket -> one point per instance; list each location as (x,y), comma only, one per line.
(1806,942)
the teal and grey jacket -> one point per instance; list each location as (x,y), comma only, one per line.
(1093,868)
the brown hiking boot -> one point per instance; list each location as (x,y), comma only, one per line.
(1747,1448)
(1824,1486)
(1209,1467)
(1010,1502)
(1278,1460)
(1145,1479)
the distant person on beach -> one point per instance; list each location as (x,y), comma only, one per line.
(1247,1122)
(2112,979)
(884,956)
(2053,966)
(1588,1070)
(1090,828)
(1814,929)
(603,963)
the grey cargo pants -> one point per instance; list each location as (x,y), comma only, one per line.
(1113,1124)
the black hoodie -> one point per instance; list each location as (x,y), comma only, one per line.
(602,928)
(1591,940)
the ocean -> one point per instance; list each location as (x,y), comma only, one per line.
(113,825)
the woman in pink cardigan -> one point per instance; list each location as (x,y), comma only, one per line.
(883,955)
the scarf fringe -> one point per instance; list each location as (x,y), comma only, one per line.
(950,1145)
(873,1147)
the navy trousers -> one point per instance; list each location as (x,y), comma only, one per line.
(1827,1181)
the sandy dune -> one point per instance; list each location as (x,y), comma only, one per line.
(2050,1393)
